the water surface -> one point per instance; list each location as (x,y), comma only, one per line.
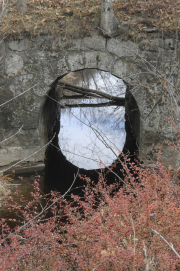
(93,137)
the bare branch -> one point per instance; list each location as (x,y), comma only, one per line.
(169,244)
(110,103)
(12,135)
(95,161)
(43,211)
(89,91)
(98,265)
(134,241)
(28,156)
(18,95)
(97,133)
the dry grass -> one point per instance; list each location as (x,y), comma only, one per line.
(51,17)
(78,18)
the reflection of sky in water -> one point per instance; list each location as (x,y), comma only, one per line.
(90,135)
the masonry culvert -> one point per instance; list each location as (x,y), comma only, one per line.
(59,170)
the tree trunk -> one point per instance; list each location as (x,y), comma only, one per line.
(109,23)
(4,6)
(21,6)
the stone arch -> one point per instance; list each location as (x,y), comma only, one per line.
(37,63)
(107,60)
(56,164)
(51,104)
(49,115)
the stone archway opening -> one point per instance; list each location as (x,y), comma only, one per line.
(60,168)
(92,128)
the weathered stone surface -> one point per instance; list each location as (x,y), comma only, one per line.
(23,79)
(66,44)
(76,61)
(91,59)
(122,49)
(105,61)
(120,69)
(15,154)
(109,23)
(62,65)
(31,66)
(13,64)
(96,43)
(19,45)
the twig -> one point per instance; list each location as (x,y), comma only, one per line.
(27,157)
(134,241)
(153,107)
(97,133)
(43,211)
(86,91)
(95,161)
(110,103)
(18,95)
(98,265)
(169,244)
(12,135)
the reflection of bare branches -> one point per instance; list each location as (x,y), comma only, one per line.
(119,178)
(103,138)
(95,79)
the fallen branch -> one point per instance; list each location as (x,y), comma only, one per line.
(76,97)
(111,103)
(87,91)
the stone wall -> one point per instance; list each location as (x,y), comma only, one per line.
(31,65)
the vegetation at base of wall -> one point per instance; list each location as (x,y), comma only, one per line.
(110,228)
(78,18)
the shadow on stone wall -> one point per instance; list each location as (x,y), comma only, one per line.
(132,125)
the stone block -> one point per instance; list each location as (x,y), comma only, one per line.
(76,61)
(13,64)
(19,45)
(62,66)
(122,48)
(169,44)
(67,44)
(105,61)
(96,43)
(91,59)
(23,79)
